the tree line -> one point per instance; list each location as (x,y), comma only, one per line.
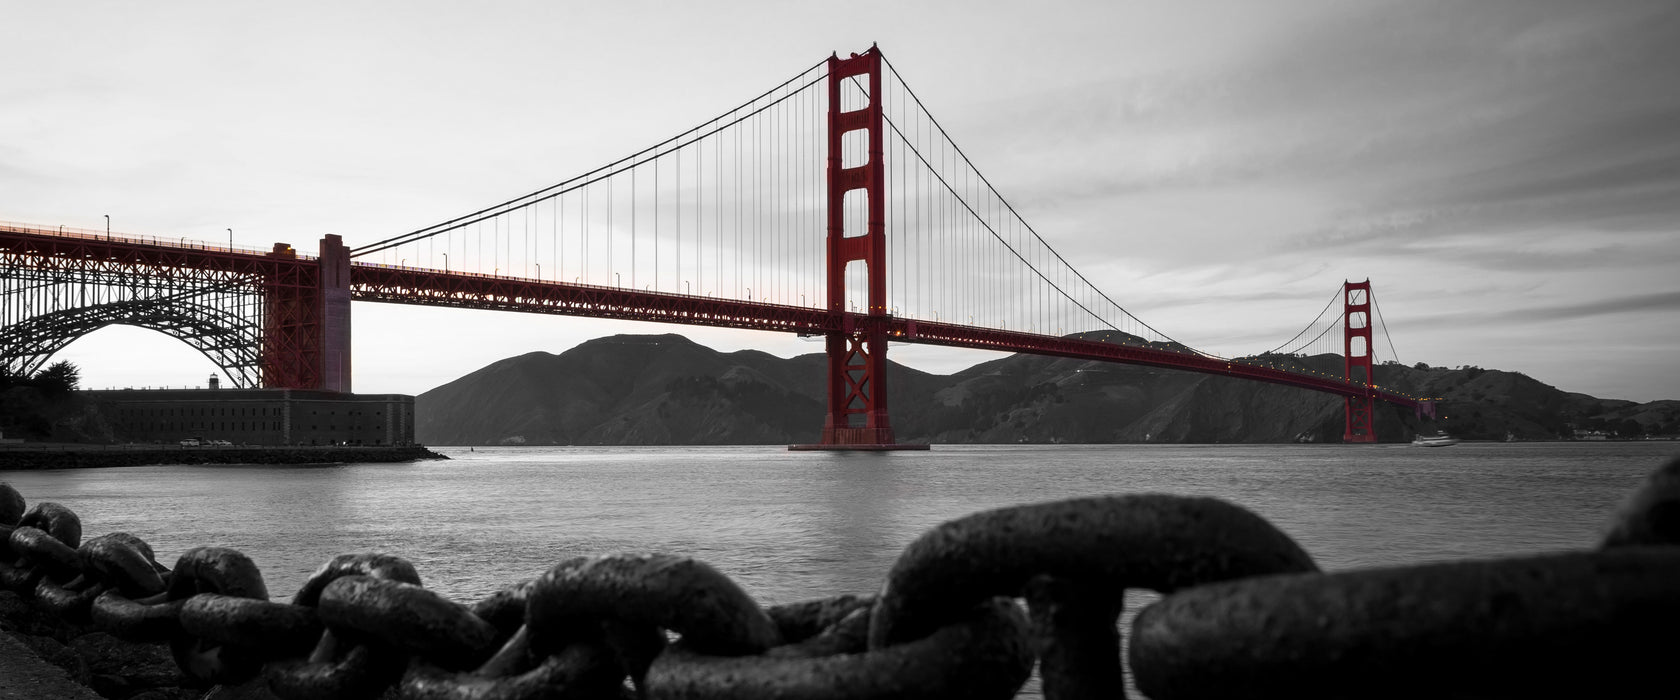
(60,377)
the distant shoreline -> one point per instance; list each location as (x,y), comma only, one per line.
(1537,441)
(70,456)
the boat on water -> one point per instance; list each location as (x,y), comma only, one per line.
(1436,440)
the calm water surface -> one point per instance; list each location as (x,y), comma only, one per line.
(789,526)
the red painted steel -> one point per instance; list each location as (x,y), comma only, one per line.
(857,352)
(1356,325)
(401,285)
(426,287)
(1151,356)
(290,353)
(334,314)
(292,343)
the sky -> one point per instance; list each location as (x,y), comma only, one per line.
(1505,172)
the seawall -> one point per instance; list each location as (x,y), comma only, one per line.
(86,457)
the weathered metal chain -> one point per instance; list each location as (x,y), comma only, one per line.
(1245,613)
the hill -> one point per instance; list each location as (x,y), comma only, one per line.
(666,389)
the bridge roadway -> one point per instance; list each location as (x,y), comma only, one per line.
(400,285)
(92,250)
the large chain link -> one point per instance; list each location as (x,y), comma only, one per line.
(1244,613)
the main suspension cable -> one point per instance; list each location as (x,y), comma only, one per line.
(608,170)
(1007,205)
(1384,324)
(1310,325)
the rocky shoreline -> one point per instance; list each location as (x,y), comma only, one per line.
(89,457)
(108,666)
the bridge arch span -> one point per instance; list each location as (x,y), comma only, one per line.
(228,340)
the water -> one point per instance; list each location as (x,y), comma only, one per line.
(791,526)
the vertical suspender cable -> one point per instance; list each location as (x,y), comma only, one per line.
(677,281)
(612,235)
(656,223)
(739,226)
(720,276)
(699,218)
(775,203)
(583,223)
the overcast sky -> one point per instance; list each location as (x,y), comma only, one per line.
(1505,172)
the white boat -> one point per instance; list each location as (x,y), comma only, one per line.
(1436,440)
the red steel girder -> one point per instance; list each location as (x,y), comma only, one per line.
(396,285)
(294,274)
(1012,341)
(286,281)
(161,256)
(1356,356)
(857,356)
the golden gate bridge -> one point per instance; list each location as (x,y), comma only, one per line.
(831,205)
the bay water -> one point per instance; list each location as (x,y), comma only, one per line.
(790,526)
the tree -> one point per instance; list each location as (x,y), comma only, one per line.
(59,377)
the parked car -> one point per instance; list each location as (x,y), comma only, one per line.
(190,442)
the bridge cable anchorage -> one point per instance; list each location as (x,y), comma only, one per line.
(654,152)
(1242,606)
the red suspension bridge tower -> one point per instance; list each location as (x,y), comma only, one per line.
(856,416)
(282,320)
(1356,354)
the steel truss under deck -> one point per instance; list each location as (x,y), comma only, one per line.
(248,313)
(260,316)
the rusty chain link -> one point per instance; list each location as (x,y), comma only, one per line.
(1244,613)
(1073,561)
(340,662)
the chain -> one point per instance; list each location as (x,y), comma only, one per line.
(1244,613)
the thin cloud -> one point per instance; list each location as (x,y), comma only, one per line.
(1659,302)
(1216,169)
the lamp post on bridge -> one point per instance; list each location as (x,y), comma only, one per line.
(230,240)
(107,227)
(445,262)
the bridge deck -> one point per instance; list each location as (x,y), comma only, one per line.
(401,285)
(428,287)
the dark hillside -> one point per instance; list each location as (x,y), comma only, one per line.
(665,389)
